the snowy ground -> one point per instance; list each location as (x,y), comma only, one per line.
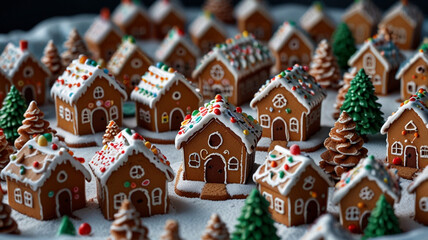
(191,213)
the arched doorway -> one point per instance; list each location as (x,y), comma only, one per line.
(99,120)
(364,220)
(279,130)
(29,95)
(141,201)
(214,169)
(312,211)
(63,203)
(176,118)
(411,157)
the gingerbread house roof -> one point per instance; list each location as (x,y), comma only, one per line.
(127,11)
(174,37)
(314,15)
(203,23)
(326,227)
(156,82)
(241,124)
(115,154)
(417,103)
(242,55)
(78,76)
(421,54)
(408,11)
(22,167)
(13,56)
(421,178)
(100,29)
(282,170)
(366,8)
(245,8)
(160,9)
(374,170)
(284,32)
(298,82)
(123,53)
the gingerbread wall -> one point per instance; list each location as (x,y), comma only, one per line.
(421,215)
(284,218)
(289,54)
(360,27)
(67,124)
(161,28)
(20,207)
(406,36)
(320,31)
(139,28)
(4,87)
(105,49)
(31,80)
(258,25)
(208,40)
(249,84)
(133,71)
(205,79)
(183,62)
(413,79)
(141,112)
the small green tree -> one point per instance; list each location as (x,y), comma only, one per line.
(343,45)
(361,104)
(382,220)
(66,227)
(255,222)
(12,114)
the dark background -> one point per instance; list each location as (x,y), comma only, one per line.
(25,14)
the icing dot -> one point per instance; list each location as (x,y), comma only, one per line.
(22,170)
(281,174)
(35,164)
(75,189)
(238,109)
(295,149)
(286,167)
(127,184)
(233,120)
(245,132)
(54,146)
(217,111)
(273,164)
(51,194)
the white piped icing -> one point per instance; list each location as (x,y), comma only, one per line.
(170,42)
(283,34)
(128,11)
(100,29)
(203,23)
(326,227)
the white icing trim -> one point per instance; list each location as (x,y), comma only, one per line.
(417,155)
(423,151)
(17,193)
(197,159)
(58,214)
(294,121)
(398,151)
(117,200)
(156,196)
(133,173)
(423,204)
(146,193)
(28,199)
(352,213)
(217,134)
(233,164)
(410,126)
(264,118)
(298,206)
(268,197)
(279,205)
(61,176)
(224,170)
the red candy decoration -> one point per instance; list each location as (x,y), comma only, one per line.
(306,68)
(286,167)
(54,146)
(352,228)
(238,109)
(217,111)
(397,161)
(295,149)
(102,169)
(188,116)
(233,120)
(85,229)
(35,164)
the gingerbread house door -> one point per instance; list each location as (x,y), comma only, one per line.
(364,220)
(99,120)
(411,157)
(215,169)
(279,130)
(176,118)
(63,203)
(312,211)
(29,94)
(141,201)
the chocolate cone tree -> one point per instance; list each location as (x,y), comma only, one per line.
(171,231)
(340,98)
(343,45)
(12,114)
(7,224)
(215,229)
(361,104)
(111,131)
(74,47)
(128,224)
(324,66)
(5,150)
(255,221)
(52,60)
(344,148)
(221,9)
(382,220)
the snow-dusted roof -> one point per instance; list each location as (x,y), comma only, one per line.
(366,8)
(326,227)
(417,103)
(122,54)
(99,30)
(298,82)
(174,37)
(162,8)
(156,82)
(48,157)
(12,57)
(284,32)
(282,170)
(421,54)
(243,125)
(78,76)
(409,12)
(421,178)
(242,55)
(246,8)
(314,15)
(115,154)
(203,23)
(374,170)
(128,11)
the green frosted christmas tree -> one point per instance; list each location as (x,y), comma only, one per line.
(255,222)
(12,114)
(343,45)
(361,104)
(382,220)
(66,227)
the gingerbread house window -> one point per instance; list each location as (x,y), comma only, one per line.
(294,44)
(284,57)
(424,151)
(179,65)
(268,197)
(117,200)
(397,148)
(67,114)
(265,121)
(28,72)
(156,196)
(294,125)
(298,206)
(400,35)
(136,63)
(86,115)
(194,160)
(215,140)
(61,111)
(28,199)
(176,95)
(228,91)
(411,87)
(18,195)
(145,115)
(233,164)
(217,72)
(279,101)
(165,118)
(279,205)
(114,113)
(369,63)
(136,172)
(410,126)
(181,51)
(352,214)
(421,69)
(366,193)
(98,93)
(423,204)
(377,80)
(135,80)
(308,183)
(62,176)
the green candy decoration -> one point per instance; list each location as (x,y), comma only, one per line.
(382,220)
(66,227)
(12,114)
(255,221)
(361,104)
(343,45)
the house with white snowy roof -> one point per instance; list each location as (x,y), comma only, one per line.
(419,187)
(206,32)
(253,16)
(164,97)
(317,22)
(44,180)
(166,14)
(133,19)
(129,167)
(413,74)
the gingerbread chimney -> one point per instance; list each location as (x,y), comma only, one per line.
(23,45)
(105,13)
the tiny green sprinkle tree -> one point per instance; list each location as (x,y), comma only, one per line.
(255,222)
(361,104)
(382,220)
(66,227)
(12,114)
(343,45)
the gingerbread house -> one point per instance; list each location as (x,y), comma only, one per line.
(166,14)
(25,71)
(235,69)
(103,37)
(129,167)
(317,22)
(362,18)
(132,18)
(254,17)
(44,180)
(380,58)
(289,105)
(163,98)
(419,187)
(291,45)
(405,21)
(413,74)
(359,189)
(128,63)
(5,84)
(178,51)
(206,32)
(218,143)
(405,144)
(87,97)
(295,187)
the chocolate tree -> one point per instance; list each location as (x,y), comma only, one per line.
(5,150)
(111,131)
(324,66)
(382,220)
(128,224)
(343,45)
(215,229)
(52,60)
(8,224)
(340,98)
(74,46)
(12,114)
(171,231)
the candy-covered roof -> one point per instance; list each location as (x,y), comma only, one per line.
(242,55)
(162,8)
(326,227)
(298,82)
(314,15)
(366,8)
(174,37)
(127,11)
(245,8)
(421,178)
(243,125)
(408,11)
(35,161)
(100,29)
(374,170)
(421,54)
(78,76)
(417,103)
(203,23)
(156,82)
(283,34)
(116,153)
(282,169)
